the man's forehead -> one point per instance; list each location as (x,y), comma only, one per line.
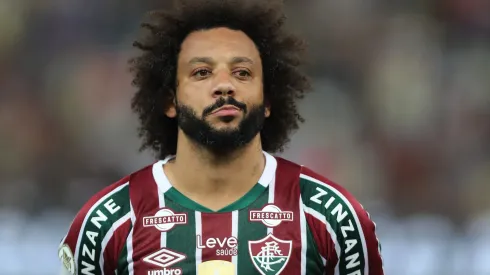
(219,43)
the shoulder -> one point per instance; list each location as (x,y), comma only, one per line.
(321,187)
(111,202)
(105,216)
(312,183)
(91,224)
(349,226)
(319,193)
(331,202)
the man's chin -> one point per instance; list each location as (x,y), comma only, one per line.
(225,127)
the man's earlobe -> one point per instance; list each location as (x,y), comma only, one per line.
(171,110)
(267,111)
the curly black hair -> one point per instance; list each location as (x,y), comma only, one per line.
(155,69)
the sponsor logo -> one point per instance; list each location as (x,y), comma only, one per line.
(216,267)
(339,216)
(165,258)
(66,256)
(227,246)
(165,219)
(270,254)
(270,215)
(92,236)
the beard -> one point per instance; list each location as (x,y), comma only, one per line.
(221,141)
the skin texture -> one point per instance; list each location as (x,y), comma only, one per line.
(219,68)
(213,65)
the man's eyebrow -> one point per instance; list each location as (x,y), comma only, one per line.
(207,60)
(210,61)
(241,59)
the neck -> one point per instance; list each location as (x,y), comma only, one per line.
(200,171)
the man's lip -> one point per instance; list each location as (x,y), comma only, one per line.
(226,107)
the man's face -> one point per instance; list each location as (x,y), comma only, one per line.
(219,98)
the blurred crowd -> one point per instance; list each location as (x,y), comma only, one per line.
(400,116)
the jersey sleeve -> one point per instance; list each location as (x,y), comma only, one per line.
(373,264)
(343,230)
(96,234)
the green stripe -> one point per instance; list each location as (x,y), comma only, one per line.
(174,195)
(182,238)
(341,219)
(98,224)
(249,231)
(246,200)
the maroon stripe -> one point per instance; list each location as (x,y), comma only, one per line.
(114,247)
(330,268)
(286,197)
(216,231)
(321,235)
(324,242)
(144,200)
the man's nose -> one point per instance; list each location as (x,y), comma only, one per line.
(224,86)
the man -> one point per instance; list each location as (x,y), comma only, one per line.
(217,88)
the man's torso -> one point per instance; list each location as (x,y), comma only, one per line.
(143,226)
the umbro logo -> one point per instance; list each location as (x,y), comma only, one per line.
(164,258)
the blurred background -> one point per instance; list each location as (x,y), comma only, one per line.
(400,115)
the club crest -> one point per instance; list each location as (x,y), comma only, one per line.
(270,254)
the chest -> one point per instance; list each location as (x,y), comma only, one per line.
(173,240)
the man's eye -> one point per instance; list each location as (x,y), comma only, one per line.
(243,74)
(201,73)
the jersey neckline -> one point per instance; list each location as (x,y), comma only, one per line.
(164,186)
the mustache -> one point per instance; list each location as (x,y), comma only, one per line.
(222,101)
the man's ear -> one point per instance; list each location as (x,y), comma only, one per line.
(267,112)
(171,110)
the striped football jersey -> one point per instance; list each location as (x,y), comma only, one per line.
(293,221)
